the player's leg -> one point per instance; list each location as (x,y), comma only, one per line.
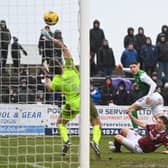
(61,124)
(95,121)
(157,104)
(118,140)
(133,108)
(139,104)
(129,139)
(66,115)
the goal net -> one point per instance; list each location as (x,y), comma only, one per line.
(29,137)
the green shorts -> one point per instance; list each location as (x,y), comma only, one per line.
(71,109)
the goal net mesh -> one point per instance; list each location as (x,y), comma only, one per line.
(28,111)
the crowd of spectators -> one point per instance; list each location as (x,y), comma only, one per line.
(122,91)
(30,88)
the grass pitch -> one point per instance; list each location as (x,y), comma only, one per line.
(44,152)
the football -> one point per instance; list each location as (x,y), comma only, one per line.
(51,18)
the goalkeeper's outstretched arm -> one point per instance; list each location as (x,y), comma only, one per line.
(59,43)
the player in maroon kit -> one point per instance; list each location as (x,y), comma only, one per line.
(156,136)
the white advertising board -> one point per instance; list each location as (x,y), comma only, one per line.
(34,119)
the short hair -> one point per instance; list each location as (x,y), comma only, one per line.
(134,62)
(164,119)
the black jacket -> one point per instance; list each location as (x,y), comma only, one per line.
(162,51)
(106,57)
(96,38)
(5,37)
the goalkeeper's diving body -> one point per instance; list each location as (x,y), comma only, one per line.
(151,99)
(67,80)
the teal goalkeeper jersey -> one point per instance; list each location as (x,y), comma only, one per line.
(68,82)
(142,85)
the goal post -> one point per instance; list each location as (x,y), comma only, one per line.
(85,78)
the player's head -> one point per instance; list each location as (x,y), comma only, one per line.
(134,67)
(161,122)
(55,67)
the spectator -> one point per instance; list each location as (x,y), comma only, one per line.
(129,55)
(57,50)
(40,97)
(135,93)
(140,39)
(15,53)
(148,56)
(96,38)
(5,94)
(165,94)
(95,94)
(159,83)
(121,95)
(13,95)
(45,46)
(58,99)
(5,38)
(23,73)
(164,30)
(129,38)
(106,60)
(26,95)
(162,48)
(41,80)
(41,87)
(107,92)
(92,65)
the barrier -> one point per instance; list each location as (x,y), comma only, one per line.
(35,119)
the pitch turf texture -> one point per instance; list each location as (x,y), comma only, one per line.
(44,152)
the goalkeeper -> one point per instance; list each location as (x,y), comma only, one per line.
(67,80)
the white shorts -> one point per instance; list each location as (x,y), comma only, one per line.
(156,103)
(131,142)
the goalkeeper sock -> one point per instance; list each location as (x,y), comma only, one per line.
(63,132)
(96,134)
(135,114)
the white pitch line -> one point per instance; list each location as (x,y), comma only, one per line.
(37,166)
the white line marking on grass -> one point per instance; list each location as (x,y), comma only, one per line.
(37,166)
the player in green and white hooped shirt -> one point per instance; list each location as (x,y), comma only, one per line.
(151,98)
(67,80)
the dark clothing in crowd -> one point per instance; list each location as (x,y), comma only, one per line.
(96,38)
(57,50)
(129,38)
(121,95)
(106,60)
(135,93)
(164,30)
(162,48)
(5,38)
(107,92)
(140,39)
(165,95)
(149,56)
(46,47)
(16,49)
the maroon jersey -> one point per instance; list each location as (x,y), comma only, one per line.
(153,139)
